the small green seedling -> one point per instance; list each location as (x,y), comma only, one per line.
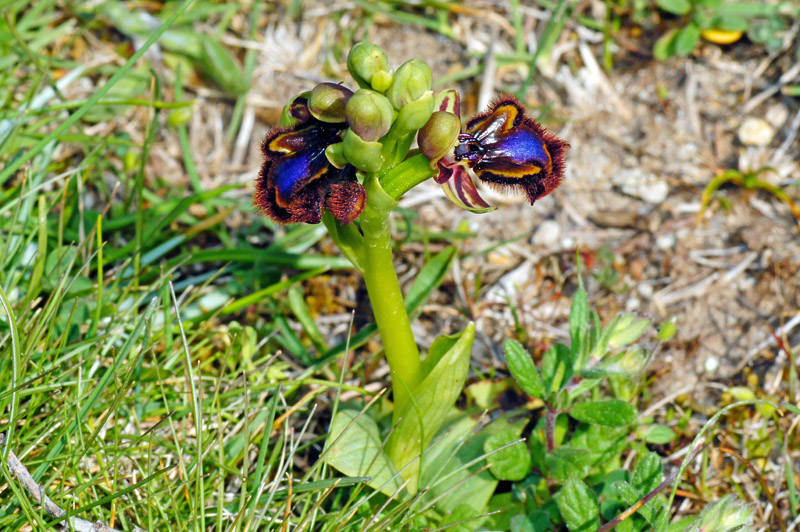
(749,181)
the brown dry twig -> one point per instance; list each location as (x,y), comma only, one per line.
(764,486)
(36,491)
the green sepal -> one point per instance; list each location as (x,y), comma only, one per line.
(362,154)
(414,115)
(381,80)
(287,120)
(335,155)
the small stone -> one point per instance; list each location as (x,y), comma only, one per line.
(510,283)
(640,184)
(665,241)
(755,132)
(636,268)
(645,290)
(632,304)
(500,257)
(776,115)
(711,364)
(547,234)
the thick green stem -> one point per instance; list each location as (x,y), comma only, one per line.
(407,175)
(386,296)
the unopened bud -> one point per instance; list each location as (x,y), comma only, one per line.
(369,114)
(626,329)
(415,114)
(438,136)
(364,61)
(327,102)
(411,81)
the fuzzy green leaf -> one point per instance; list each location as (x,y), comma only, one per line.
(664,48)
(579,321)
(522,368)
(510,463)
(611,413)
(647,475)
(686,40)
(564,463)
(676,7)
(578,506)
(657,434)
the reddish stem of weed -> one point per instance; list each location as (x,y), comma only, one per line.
(550,427)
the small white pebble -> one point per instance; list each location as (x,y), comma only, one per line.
(655,193)
(712,363)
(632,304)
(776,115)
(547,234)
(645,290)
(665,241)
(755,132)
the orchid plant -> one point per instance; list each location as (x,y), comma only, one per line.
(344,158)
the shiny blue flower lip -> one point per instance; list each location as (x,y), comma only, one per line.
(297,182)
(506,148)
(503,147)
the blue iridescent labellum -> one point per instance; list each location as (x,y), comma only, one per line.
(297,181)
(505,148)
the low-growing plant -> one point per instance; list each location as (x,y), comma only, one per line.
(343,158)
(749,181)
(570,472)
(722,22)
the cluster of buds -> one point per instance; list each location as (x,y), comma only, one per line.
(332,137)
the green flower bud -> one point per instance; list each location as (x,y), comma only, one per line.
(628,363)
(415,114)
(411,82)
(667,330)
(362,154)
(364,61)
(327,102)
(335,155)
(438,136)
(369,114)
(382,80)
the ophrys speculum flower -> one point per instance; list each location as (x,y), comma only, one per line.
(503,147)
(297,180)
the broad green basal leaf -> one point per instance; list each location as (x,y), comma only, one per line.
(432,401)
(354,448)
